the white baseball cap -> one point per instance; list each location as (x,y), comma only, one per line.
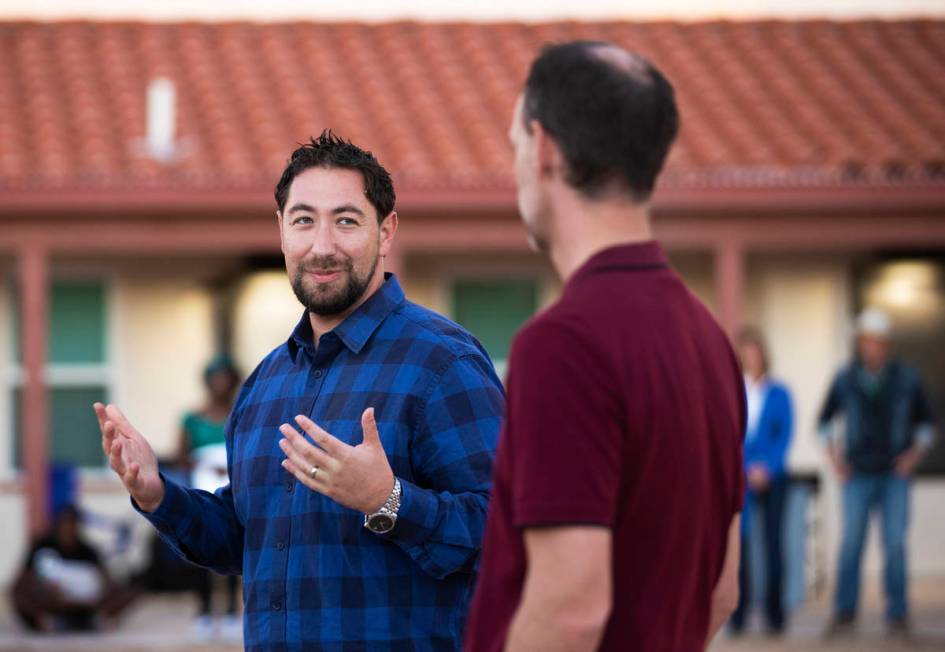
(874,321)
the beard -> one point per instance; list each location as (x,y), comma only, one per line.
(324,299)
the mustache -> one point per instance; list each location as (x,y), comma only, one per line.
(324,263)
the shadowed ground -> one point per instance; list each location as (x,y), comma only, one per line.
(164,623)
(807,626)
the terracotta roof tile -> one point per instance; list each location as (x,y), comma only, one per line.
(763,103)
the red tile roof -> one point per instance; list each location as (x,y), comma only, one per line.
(763,104)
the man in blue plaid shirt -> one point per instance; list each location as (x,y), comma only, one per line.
(359,451)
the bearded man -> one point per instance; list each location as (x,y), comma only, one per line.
(359,451)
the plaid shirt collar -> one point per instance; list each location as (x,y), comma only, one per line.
(357,328)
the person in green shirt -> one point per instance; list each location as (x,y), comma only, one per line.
(202,450)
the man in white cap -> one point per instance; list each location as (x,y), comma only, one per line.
(888,427)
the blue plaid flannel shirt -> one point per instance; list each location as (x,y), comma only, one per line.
(314,577)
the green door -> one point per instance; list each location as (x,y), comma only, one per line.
(494,310)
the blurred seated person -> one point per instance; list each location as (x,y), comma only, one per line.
(63,584)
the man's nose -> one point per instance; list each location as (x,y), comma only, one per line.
(323,244)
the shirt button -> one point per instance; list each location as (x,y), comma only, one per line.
(280,546)
(318,373)
(289,485)
(276,605)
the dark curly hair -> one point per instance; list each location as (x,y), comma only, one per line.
(330,151)
(612,113)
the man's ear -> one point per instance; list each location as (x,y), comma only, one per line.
(281,236)
(549,154)
(388,228)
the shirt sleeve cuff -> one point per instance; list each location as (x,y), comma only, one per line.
(174,502)
(416,516)
(561,512)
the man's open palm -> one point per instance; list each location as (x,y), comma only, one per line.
(130,456)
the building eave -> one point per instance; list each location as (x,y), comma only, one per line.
(837,200)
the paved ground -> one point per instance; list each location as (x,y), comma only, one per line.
(807,626)
(164,624)
(160,623)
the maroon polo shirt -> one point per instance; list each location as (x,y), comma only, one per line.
(625,410)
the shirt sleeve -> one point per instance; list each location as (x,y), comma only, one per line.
(200,526)
(566,429)
(186,431)
(922,419)
(830,408)
(30,563)
(442,514)
(739,504)
(88,553)
(776,457)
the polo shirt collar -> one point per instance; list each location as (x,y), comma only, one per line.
(357,328)
(626,257)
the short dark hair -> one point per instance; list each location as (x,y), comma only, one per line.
(612,113)
(221,364)
(330,151)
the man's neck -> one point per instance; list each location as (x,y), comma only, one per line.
(583,228)
(321,324)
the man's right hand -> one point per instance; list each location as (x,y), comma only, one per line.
(131,457)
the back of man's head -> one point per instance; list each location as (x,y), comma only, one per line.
(611,112)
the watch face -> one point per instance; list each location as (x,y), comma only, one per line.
(381,523)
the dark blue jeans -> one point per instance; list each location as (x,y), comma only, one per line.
(889,493)
(766,507)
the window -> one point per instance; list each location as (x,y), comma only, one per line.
(493,311)
(77,371)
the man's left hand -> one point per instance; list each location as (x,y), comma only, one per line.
(906,462)
(358,477)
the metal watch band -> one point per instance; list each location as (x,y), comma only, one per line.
(392,506)
(383,520)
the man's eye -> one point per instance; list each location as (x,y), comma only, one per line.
(347,221)
(303,220)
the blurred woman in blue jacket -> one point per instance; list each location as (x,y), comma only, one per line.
(767,438)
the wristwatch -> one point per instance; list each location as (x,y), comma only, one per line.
(383,520)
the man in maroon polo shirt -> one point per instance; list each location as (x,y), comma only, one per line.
(618,485)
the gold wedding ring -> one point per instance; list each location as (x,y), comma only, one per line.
(313,472)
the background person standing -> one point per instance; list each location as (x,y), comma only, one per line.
(202,450)
(888,427)
(768,434)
